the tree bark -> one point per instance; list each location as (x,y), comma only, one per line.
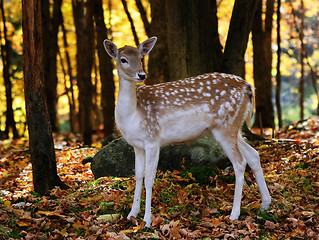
(237,38)
(6,60)
(304,56)
(270,6)
(158,59)
(83,19)
(141,9)
(50,50)
(262,67)
(106,70)
(136,40)
(302,65)
(278,75)
(192,37)
(40,136)
(74,123)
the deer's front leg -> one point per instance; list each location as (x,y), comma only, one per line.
(152,155)
(139,175)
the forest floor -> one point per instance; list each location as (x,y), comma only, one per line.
(193,204)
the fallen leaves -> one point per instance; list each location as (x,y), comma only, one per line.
(182,207)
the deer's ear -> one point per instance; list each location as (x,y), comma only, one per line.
(110,48)
(147,45)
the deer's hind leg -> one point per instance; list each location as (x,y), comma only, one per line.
(253,160)
(228,141)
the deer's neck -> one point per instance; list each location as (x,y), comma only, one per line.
(126,106)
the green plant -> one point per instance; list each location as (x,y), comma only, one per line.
(15,231)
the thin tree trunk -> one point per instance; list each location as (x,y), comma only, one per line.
(67,90)
(137,42)
(313,80)
(270,6)
(302,65)
(40,136)
(6,60)
(74,124)
(106,70)
(278,76)
(50,50)
(96,113)
(109,30)
(141,9)
(305,56)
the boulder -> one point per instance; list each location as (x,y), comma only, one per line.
(117,158)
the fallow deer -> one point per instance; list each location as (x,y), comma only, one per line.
(152,116)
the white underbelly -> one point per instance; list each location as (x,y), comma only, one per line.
(184,126)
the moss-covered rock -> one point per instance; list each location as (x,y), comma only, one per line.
(117,158)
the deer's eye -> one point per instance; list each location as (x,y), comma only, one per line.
(123,60)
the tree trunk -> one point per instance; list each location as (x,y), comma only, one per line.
(192,37)
(67,90)
(106,70)
(158,58)
(268,35)
(74,123)
(83,19)
(278,76)
(237,38)
(262,67)
(129,17)
(40,136)
(141,9)
(6,60)
(302,65)
(50,50)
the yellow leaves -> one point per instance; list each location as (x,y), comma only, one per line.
(191,176)
(6,203)
(263,146)
(138,228)
(22,223)
(224,208)
(271,175)
(48,213)
(4,174)
(94,199)
(64,232)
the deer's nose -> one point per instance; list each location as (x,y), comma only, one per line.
(141,76)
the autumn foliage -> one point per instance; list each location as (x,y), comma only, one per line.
(188,204)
